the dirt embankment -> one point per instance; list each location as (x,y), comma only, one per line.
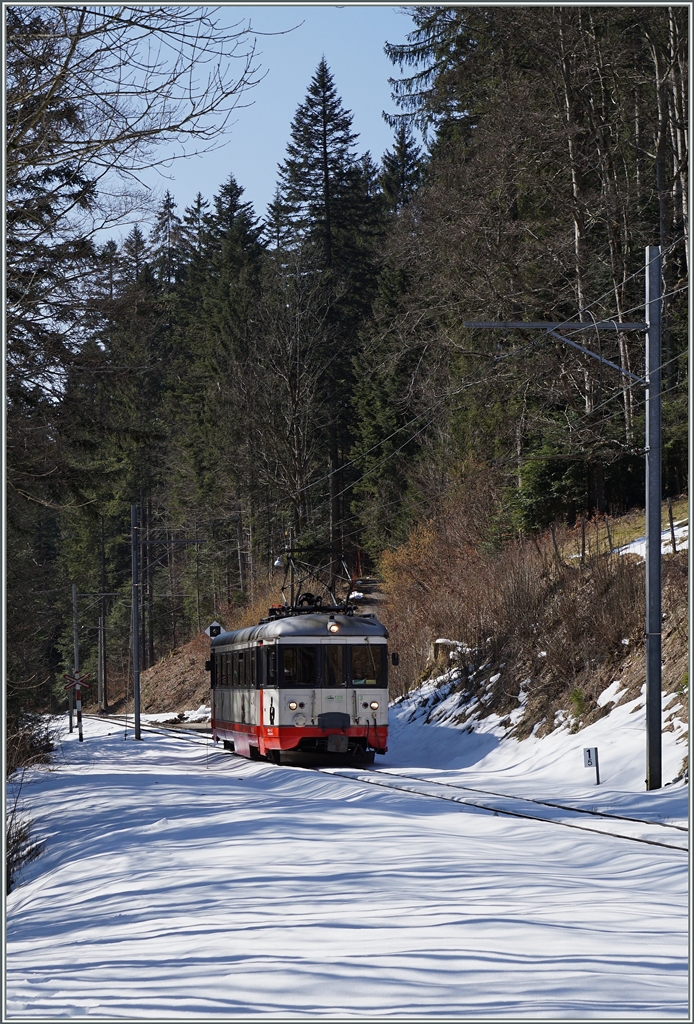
(178,682)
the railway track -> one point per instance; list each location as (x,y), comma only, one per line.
(201,737)
(515,806)
(546,803)
(500,803)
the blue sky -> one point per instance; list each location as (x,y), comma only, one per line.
(351,38)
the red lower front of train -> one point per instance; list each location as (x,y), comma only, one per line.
(261,740)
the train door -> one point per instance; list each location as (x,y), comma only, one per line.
(271,692)
(368,677)
(334,693)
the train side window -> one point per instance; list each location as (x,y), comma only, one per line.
(289,673)
(248,681)
(271,668)
(234,670)
(334,665)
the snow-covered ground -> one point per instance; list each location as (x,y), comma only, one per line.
(638,547)
(173,717)
(180,882)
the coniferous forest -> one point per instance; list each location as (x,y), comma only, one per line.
(242,377)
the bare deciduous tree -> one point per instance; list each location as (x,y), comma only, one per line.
(96,89)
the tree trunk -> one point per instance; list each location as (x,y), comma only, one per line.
(572,131)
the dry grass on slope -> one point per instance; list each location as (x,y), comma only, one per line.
(179,682)
(562,628)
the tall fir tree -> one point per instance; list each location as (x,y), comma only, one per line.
(331,201)
(233,256)
(166,241)
(401,172)
(278,229)
(193,230)
(135,255)
(313,179)
(214,325)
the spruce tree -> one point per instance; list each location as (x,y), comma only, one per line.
(193,230)
(232,258)
(278,229)
(230,219)
(166,240)
(330,200)
(212,328)
(401,173)
(135,255)
(314,177)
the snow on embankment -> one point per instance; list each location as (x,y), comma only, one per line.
(681,531)
(444,724)
(202,714)
(478,714)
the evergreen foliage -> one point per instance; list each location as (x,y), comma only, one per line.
(402,169)
(314,179)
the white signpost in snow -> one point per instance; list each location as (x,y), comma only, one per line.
(590,760)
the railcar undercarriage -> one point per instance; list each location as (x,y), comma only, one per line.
(314,751)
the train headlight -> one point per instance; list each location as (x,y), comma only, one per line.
(292,705)
(374,705)
(333,626)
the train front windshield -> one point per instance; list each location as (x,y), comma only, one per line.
(367,665)
(300,666)
(333,665)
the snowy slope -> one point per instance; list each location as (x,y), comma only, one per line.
(638,547)
(180,882)
(552,764)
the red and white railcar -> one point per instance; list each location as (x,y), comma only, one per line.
(303,684)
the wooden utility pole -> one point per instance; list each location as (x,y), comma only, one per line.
(291,566)
(150,590)
(75,650)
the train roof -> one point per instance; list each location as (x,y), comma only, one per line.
(313,624)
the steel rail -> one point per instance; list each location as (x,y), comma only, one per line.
(500,810)
(533,800)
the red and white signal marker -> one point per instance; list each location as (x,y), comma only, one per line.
(78,681)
